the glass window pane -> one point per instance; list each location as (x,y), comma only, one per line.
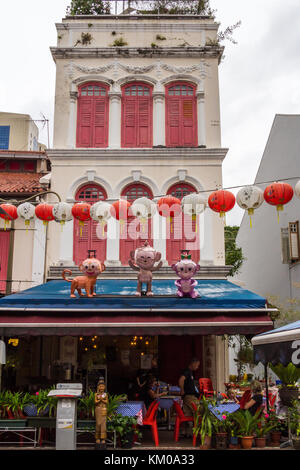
(83,93)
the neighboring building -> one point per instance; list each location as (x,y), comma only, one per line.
(271,247)
(19,132)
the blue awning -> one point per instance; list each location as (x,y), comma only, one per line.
(222,307)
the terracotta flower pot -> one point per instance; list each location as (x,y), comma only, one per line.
(207,443)
(260,442)
(275,437)
(221,440)
(246,442)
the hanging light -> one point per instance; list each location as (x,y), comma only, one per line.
(100,211)
(43,212)
(26,211)
(277,194)
(9,214)
(81,212)
(193,204)
(221,201)
(297,189)
(62,212)
(169,206)
(143,209)
(250,198)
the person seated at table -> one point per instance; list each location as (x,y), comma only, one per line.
(231,395)
(256,400)
(188,389)
(150,392)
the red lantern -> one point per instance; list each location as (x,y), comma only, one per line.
(169,206)
(9,214)
(221,201)
(81,212)
(277,194)
(120,210)
(43,212)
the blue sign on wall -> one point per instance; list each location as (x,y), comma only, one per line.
(4,137)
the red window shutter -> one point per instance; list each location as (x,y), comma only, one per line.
(100,123)
(144,120)
(84,123)
(4,250)
(188,119)
(173,122)
(129,122)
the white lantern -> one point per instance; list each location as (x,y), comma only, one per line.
(26,211)
(62,212)
(250,198)
(143,209)
(100,211)
(193,204)
(297,189)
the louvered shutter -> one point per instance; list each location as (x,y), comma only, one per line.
(100,123)
(84,123)
(143,137)
(173,122)
(129,122)
(187,120)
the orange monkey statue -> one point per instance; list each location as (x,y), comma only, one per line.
(91,267)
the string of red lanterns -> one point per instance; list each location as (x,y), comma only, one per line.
(221,201)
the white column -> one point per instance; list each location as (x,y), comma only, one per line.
(114,138)
(206,239)
(113,243)
(38,259)
(159,118)
(160,236)
(66,244)
(71,143)
(201,119)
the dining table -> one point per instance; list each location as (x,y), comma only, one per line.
(134,409)
(223,409)
(165,403)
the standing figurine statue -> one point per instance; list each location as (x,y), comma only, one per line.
(186,269)
(143,260)
(101,403)
(91,267)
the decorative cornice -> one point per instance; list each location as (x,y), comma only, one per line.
(160,153)
(130,52)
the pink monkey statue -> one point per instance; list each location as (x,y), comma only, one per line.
(143,260)
(91,267)
(186,269)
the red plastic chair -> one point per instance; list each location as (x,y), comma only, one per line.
(245,398)
(206,387)
(150,420)
(180,418)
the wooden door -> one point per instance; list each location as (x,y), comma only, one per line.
(136,115)
(181,115)
(133,234)
(184,231)
(91,236)
(4,252)
(92,116)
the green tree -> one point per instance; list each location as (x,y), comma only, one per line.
(233,255)
(174,7)
(88,7)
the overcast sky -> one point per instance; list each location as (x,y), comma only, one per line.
(259,77)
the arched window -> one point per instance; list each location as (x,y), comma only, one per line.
(132,234)
(92,115)
(183,235)
(136,115)
(181,115)
(91,236)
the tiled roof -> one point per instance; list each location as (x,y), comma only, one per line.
(12,183)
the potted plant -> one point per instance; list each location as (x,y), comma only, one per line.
(264,426)
(295,424)
(204,423)
(220,431)
(288,375)
(246,425)
(278,425)
(125,427)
